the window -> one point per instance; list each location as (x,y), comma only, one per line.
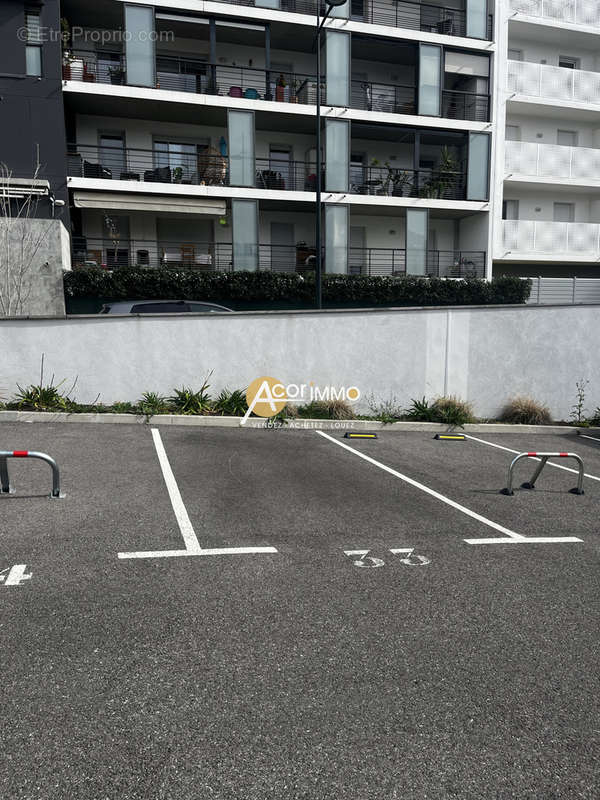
(567,138)
(33,46)
(513,133)
(180,158)
(564,212)
(515,55)
(510,209)
(568,62)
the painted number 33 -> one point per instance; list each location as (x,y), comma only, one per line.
(408,557)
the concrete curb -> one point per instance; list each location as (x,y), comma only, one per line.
(293,424)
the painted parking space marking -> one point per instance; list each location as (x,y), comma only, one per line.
(410,559)
(550,463)
(512,536)
(15,575)
(593,438)
(365,560)
(190,540)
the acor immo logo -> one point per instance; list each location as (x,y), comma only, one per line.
(267,396)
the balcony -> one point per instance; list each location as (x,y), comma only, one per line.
(211,256)
(553,162)
(203,168)
(209,168)
(577,12)
(390,13)
(554,83)
(543,240)
(439,183)
(199,77)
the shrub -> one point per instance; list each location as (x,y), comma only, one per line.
(449,410)
(243,289)
(152,403)
(187,401)
(290,411)
(123,408)
(385,411)
(595,418)
(452,411)
(420,411)
(326,409)
(231,404)
(42,397)
(523,410)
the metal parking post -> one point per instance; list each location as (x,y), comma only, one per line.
(4,478)
(543,457)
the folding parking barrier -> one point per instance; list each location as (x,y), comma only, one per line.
(543,460)
(5,487)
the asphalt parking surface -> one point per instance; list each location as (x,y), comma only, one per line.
(450,670)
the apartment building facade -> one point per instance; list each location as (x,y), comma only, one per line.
(547,208)
(191,135)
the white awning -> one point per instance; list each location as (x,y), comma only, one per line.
(150,202)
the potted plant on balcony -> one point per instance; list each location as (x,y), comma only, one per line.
(280,89)
(396,182)
(177,174)
(294,91)
(444,177)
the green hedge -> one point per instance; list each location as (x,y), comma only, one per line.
(268,289)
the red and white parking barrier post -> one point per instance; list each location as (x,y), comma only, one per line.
(543,458)
(5,487)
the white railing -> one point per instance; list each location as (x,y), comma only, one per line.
(564,290)
(552,238)
(552,161)
(553,83)
(579,12)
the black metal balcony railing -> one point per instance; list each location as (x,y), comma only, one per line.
(393,99)
(206,169)
(196,169)
(440,184)
(400,14)
(465,105)
(118,253)
(199,77)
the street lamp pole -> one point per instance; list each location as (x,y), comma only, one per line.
(331,4)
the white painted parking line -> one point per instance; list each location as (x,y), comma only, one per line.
(516,537)
(192,545)
(593,438)
(516,452)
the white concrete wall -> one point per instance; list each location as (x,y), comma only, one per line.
(484,355)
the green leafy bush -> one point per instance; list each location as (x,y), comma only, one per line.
(187,401)
(522,410)
(42,397)
(449,410)
(243,289)
(123,408)
(152,403)
(421,411)
(231,403)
